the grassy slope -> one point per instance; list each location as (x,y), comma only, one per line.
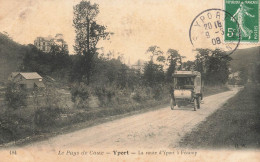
(210,90)
(235,125)
(244,57)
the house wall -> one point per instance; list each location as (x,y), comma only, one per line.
(28,83)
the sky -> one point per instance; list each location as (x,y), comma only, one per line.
(136,24)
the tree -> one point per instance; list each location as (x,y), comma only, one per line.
(60,62)
(155,51)
(214,65)
(202,58)
(173,58)
(88,34)
(122,77)
(153,73)
(189,65)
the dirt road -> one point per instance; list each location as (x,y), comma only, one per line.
(161,128)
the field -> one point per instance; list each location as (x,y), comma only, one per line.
(234,126)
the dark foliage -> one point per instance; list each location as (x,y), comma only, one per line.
(46,116)
(213,65)
(11,54)
(153,74)
(13,127)
(173,58)
(88,34)
(55,63)
(104,94)
(15,96)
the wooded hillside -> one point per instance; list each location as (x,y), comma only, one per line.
(11,54)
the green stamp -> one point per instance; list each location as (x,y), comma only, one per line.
(244,24)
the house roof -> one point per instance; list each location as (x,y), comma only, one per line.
(31,75)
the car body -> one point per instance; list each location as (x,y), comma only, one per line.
(187,89)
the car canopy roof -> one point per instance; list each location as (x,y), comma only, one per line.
(186,73)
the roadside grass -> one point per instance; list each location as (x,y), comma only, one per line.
(210,90)
(234,126)
(20,126)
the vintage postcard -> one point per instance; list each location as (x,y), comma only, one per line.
(132,80)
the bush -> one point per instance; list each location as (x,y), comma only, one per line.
(15,96)
(158,92)
(47,116)
(123,96)
(140,94)
(105,94)
(13,127)
(80,94)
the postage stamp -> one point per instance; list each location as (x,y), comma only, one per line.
(246,13)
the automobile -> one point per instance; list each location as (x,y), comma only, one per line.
(187,89)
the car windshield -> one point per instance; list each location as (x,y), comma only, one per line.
(184,82)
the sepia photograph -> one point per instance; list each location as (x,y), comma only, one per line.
(132,80)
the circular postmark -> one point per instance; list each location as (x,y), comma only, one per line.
(207,31)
